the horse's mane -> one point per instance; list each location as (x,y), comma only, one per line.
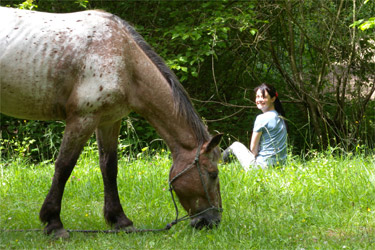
(182,100)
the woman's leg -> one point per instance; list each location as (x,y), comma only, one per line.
(242,153)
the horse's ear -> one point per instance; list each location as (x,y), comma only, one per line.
(215,141)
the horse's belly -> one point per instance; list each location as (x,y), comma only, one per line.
(32,104)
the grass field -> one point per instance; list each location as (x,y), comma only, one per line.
(325,202)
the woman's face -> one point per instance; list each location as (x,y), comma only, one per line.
(264,103)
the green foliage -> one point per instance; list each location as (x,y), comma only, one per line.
(221,50)
(82,3)
(364,24)
(206,29)
(36,140)
(40,141)
(28,5)
(323,200)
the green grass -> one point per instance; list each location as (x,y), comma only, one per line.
(325,202)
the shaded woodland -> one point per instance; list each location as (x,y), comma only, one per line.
(313,51)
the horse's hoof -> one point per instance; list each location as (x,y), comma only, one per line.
(61,234)
(129,229)
(123,225)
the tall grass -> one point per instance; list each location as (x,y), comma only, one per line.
(320,202)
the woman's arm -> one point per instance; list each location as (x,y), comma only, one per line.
(254,146)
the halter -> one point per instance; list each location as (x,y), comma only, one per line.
(212,207)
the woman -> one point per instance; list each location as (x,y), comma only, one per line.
(269,138)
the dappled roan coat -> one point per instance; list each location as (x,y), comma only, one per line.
(46,55)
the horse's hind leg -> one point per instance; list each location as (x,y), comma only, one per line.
(107,137)
(77,132)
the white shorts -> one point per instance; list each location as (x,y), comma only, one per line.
(244,156)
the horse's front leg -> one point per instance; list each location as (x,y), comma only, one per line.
(77,132)
(107,137)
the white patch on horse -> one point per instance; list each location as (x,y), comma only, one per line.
(99,83)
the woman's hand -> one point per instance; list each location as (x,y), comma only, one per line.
(254,146)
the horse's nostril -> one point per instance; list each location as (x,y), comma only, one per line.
(200,223)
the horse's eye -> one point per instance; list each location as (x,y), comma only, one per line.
(213,175)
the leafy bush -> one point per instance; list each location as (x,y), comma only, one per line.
(40,140)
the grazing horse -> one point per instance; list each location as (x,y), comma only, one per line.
(91,69)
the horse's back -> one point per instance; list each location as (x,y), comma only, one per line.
(48,59)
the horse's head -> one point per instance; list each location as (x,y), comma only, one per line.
(194,178)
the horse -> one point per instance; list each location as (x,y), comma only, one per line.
(91,69)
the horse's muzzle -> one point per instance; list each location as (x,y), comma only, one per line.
(206,220)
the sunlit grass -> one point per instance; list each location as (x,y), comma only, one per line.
(323,202)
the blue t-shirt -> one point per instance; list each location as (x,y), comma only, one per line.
(273,142)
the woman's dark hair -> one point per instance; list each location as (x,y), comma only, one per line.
(272,92)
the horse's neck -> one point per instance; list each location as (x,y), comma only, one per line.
(152,97)
(159,110)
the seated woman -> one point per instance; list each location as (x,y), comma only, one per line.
(269,138)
